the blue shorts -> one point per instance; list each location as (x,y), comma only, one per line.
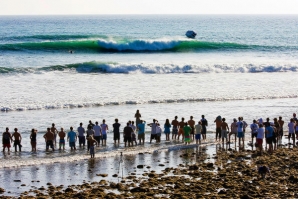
(91,150)
(240,135)
(72,144)
(198,136)
(104,137)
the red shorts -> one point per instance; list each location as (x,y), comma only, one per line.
(6,145)
(260,141)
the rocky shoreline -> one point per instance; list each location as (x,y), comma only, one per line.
(227,174)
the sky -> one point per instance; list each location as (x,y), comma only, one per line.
(79,7)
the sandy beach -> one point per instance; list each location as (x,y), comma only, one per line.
(213,170)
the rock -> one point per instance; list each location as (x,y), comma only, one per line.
(102,175)
(49,184)
(17,180)
(23,185)
(68,190)
(161,165)
(209,165)
(115,175)
(222,191)
(2,190)
(193,167)
(140,166)
(138,189)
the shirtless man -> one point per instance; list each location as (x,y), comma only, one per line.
(281,130)
(233,130)
(16,138)
(6,139)
(49,138)
(181,126)
(224,130)
(218,123)
(62,135)
(54,131)
(92,142)
(192,123)
(175,124)
(204,127)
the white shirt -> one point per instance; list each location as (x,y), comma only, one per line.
(261,133)
(291,126)
(198,128)
(97,130)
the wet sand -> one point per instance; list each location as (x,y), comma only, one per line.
(178,172)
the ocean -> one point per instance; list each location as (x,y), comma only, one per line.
(71,69)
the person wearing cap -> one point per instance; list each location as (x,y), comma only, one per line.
(233,130)
(254,130)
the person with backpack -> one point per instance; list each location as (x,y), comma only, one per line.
(6,140)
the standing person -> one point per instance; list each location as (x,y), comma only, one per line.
(141,131)
(198,132)
(244,126)
(218,123)
(204,127)
(269,137)
(92,142)
(6,139)
(116,131)
(175,124)
(158,132)
(181,126)
(54,131)
(82,139)
(62,135)
(49,138)
(224,130)
(17,138)
(153,130)
(104,129)
(234,130)
(72,138)
(240,134)
(281,128)
(138,116)
(192,123)
(294,117)
(260,137)
(97,133)
(33,139)
(127,131)
(254,131)
(90,124)
(291,126)
(187,131)
(89,132)
(167,131)
(133,135)
(276,132)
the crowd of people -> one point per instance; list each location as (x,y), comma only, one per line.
(189,131)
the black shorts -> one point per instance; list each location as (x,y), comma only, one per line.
(281,132)
(254,135)
(269,140)
(116,136)
(204,130)
(127,138)
(153,136)
(291,135)
(192,130)
(97,138)
(274,139)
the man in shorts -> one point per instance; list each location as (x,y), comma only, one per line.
(92,142)
(49,138)
(291,126)
(204,127)
(17,138)
(141,131)
(233,130)
(198,132)
(175,124)
(104,129)
(6,139)
(224,130)
(127,131)
(281,127)
(218,123)
(116,131)
(240,133)
(62,135)
(192,123)
(269,137)
(97,133)
(82,139)
(153,130)
(254,131)
(54,131)
(181,126)
(72,138)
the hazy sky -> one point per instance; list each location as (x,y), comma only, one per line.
(45,7)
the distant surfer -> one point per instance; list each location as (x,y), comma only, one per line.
(71,51)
